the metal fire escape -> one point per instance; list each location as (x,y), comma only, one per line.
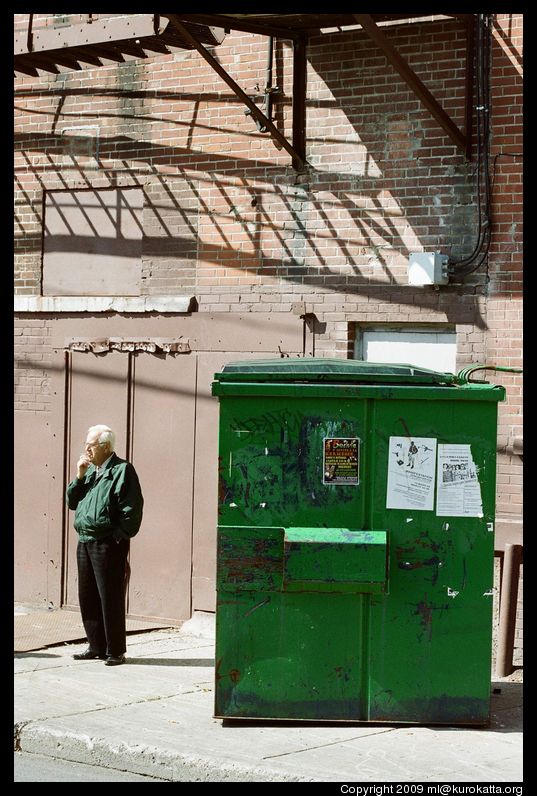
(99,40)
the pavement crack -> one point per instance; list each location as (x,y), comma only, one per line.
(332,743)
(20,725)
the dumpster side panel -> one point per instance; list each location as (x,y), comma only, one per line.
(274,659)
(430,646)
(288,656)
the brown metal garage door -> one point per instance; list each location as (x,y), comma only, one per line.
(149,400)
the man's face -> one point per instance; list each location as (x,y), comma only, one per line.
(97,451)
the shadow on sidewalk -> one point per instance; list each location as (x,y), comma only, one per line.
(506,706)
(23,655)
(170,661)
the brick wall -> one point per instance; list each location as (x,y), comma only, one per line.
(32,356)
(228,220)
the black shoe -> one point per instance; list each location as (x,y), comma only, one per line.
(89,655)
(114,660)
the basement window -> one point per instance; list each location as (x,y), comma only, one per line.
(92,242)
(430,347)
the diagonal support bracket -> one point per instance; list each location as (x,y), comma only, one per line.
(298,160)
(411,78)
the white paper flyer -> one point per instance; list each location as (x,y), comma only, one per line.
(411,472)
(458,492)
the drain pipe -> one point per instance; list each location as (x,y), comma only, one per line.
(267,105)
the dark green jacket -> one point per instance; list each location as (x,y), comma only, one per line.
(110,505)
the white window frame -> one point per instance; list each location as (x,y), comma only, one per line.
(443,360)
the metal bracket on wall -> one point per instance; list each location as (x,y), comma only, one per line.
(311,326)
(150,344)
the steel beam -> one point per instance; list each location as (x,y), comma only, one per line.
(232,23)
(36,62)
(27,70)
(136,50)
(100,31)
(410,77)
(109,53)
(256,112)
(153,45)
(299,100)
(62,59)
(81,54)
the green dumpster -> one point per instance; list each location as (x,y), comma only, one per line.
(355,542)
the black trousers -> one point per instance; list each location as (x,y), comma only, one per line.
(102,580)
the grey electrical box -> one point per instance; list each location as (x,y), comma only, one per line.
(427,268)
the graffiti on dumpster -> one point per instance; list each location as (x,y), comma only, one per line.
(276,468)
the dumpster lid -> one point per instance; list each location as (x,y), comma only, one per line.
(318,369)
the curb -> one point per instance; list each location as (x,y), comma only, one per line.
(139,759)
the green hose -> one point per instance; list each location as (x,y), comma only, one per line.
(464,375)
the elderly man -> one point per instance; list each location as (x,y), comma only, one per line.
(108,503)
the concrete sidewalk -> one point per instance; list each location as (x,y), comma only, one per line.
(153,716)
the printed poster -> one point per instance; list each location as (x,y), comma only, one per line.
(341,460)
(458,492)
(411,473)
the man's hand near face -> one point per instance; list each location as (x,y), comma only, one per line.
(82,465)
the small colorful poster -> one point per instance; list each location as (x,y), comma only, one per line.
(341,460)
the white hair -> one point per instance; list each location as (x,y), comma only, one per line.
(105,434)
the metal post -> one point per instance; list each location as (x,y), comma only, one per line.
(508,601)
(30,38)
